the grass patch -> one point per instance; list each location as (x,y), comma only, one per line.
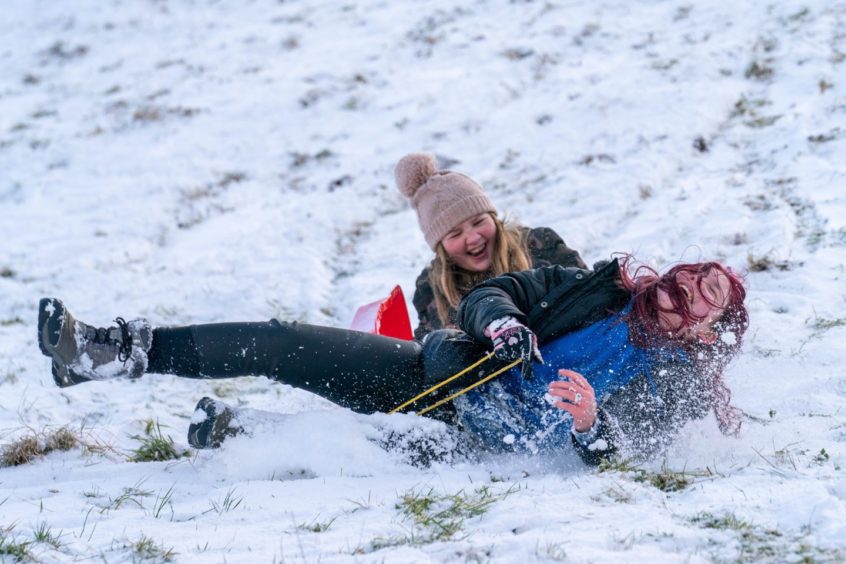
(760,202)
(823,137)
(618,494)
(44,534)
(766,263)
(444,515)
(162,501)
(759,70)
(727,521)
(755,543)
(145,549)
(129,496)
(762,121)
(819,326)
(36,444)
(155,445)
(92,493)
(439,517)
(665,65)
(666,480)
(749,106)
(148,114)
(316,526)
(229,502)
(12,549)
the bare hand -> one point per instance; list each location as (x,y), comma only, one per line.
(579,399)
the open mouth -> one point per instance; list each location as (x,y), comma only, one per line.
(478,251)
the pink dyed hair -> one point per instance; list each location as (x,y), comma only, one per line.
(709,359)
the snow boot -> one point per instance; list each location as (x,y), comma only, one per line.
(212,422)
(81,352)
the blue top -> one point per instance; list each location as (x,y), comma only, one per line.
(513,414)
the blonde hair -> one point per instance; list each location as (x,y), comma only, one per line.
(450,282)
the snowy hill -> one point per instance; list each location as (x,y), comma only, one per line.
(199,161)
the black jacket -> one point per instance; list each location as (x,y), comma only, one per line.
(551,301)
(637,419)
(545,248)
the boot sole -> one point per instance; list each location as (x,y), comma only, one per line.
(51,317)
(204,428)
(51,320)
(214,429)
(65,377)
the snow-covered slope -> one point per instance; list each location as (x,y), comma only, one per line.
(199,161)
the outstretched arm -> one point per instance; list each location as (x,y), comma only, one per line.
(511,295)
(550,301)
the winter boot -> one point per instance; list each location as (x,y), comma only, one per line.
(212,422)
(81,352)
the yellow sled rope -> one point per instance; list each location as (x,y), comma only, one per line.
(460,392)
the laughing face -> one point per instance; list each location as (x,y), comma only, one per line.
(471,243)
(691,302)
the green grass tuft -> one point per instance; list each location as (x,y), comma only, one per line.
(727,521)
(12,549)
(439,517)
(155,445)
(754,543)
(666,480)
(129,496)
(316,526)
(146,549)
(230,502)
(44,534)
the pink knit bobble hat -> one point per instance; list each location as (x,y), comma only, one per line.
(441,198)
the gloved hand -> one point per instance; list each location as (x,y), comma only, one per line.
(512,340)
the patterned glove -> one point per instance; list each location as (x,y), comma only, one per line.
(512,340)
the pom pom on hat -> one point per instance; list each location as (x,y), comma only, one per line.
(442,199)
(412,172)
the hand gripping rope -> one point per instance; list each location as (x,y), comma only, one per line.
(442,383)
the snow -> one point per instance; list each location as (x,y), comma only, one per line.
(729,337)
(194,162)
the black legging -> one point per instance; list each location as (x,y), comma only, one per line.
(366,373)
(353,369)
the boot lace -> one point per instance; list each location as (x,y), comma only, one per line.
(124,342)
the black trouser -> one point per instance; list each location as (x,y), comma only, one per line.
(366,373)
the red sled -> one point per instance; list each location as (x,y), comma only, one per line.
(388,317)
